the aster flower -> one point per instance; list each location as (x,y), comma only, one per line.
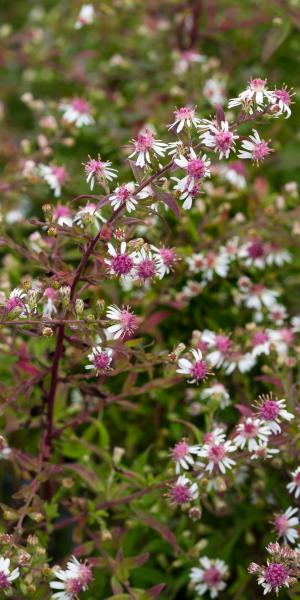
(263,451)
(71,581)
(277,256)
(100,359)
(49,308)
(216,454)
(197,168)
(145,144)
(281,100)
(148,266)
(285,524)
(121,262)
(261,343)
(55,176)
(214,92)
(98,170)
(210,576)
(77,112)
(253,253)
(220,138)
(272,411)
(221,344)
(215,263)
(6,575)
(256,295)
(62,215)
(88,215)
(254,148)
(183,491)
(167,257)
(187,194)
(182,454)
(184,117)
(251,432)
(197,369)
(256,93)
(123,196)
(15,304)
(281,340)
(86,16)
(125,322)
(218,392)
(234,173)
(294,486)
(273,576)
(186,59)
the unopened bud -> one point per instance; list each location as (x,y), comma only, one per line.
(90,317)
(195,513)
(100,306)
(47,332)
(79,306)
(36,516)
(65,293)
(32,540)
(52,231)
(23,558)
(106,535)
(5,538)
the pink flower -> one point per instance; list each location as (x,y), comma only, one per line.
(197,369)
(167,257)
(294,486)
(121,263)
(78,112)
(144,145)
(148,266)
(271,411)
(100,359)
(6,575)
(285,525)
(55,176)
(124,196)
(254,148)
(71,581)
(216,454)
(252,433)
(182,455)
(125,324)
(220,138)
(210,576)
(197,168)
(183,491)
(282,100)
(184,116)
(98,170)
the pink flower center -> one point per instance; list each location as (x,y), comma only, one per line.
(4,581)
(276,575)
(223,343)
(128,321)
(260,151)
(249,429)
(74,586)
(212,577)
(269,410)
(287,335)
(80,105)
(146,269)
(13,303)
(281,524)
(180,494)
(224,140)
(196,168)
(199,370)
(180,450)
(59,173)
(86,574)
(284,96)
(94,166)
(102,361)
(184,113)
(144,141)
(122,264)
(123,193)
(167,256)
(255,249)
(216,453)
(259,338)
(211,260)
(297,478)
(257,84)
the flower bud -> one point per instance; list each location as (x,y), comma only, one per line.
(79,306)
(47,332)
(52,231)
(65,293)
